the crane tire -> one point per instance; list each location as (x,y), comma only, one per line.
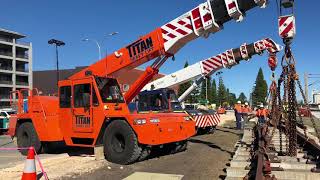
(183,146)
(144,154)
(27,137)
(211,130)
(121,143)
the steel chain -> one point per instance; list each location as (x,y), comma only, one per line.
(292,117)
(284,104)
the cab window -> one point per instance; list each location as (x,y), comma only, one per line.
(109,90)
(79,91)
(65,97)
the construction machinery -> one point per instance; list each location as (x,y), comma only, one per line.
(199,71)
(91,111)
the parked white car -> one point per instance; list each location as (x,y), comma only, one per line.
(4,119)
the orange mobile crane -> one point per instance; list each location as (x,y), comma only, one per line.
(90,109)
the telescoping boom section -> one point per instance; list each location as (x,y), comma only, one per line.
(202,69)
(168,39)
(90,109)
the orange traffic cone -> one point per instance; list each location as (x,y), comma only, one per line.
(29,172)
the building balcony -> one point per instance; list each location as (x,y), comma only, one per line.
(22,83)
(6,82)
(5,53)
(6,39)
(23,43)
(22,70)
(22,56)
(6,68)
(4,96)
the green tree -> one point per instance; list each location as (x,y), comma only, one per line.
(209,88)
(232,99)
(183,87)
(213,94)
(261,89)
(205,90)
(194,96)
(242,97)
(227,96)
(222,92)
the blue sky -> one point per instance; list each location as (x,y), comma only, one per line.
(74,20)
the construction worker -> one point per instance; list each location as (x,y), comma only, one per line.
(262,114)
(238,114)
(246,110)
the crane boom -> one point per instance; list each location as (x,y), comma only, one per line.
(168,39)
(202,69)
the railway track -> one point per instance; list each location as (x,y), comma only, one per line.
(255,158)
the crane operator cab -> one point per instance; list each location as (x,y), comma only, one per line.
(163,100)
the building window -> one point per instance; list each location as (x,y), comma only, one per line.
(79,91)
(65,97)
(126,87)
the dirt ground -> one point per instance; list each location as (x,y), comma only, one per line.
(307,121)
(205,158)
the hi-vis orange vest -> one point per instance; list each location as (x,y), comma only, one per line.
(246,109)
(238,108)
(262,113)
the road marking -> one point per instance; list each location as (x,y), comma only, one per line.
(153,176)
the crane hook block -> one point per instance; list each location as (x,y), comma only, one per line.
(287,26)
(272,62)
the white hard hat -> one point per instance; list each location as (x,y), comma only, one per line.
(261,105)
(239,102)
(246,104)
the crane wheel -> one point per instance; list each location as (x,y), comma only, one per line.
(211,129)
(121,143)
(144,154)
(27,137)
(183,146)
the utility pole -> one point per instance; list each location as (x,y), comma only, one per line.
(206,89)
(306,89)
(57,43)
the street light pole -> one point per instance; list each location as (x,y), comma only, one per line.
(206,89)
(97,43)
(110,34)
(57,43)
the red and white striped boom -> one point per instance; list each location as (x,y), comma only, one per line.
(167,40)
(198,71)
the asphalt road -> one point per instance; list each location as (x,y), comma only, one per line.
(9,158)
(205,158)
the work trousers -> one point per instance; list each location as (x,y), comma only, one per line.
(261,120)
(238,120)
